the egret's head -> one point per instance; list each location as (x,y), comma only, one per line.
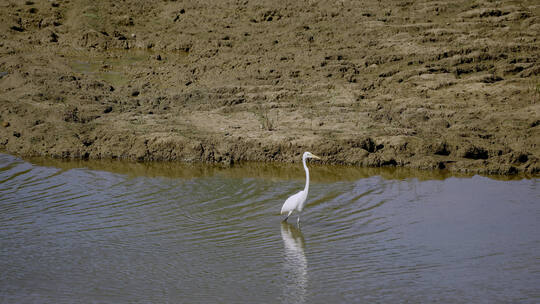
(310,155)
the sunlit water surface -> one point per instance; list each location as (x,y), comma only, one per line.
(113,232)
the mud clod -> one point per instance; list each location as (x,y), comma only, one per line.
(17,28)
(476,153)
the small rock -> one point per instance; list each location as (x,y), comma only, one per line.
(158,57)
(108,109)
(16,134)
(135,93)
(5,124)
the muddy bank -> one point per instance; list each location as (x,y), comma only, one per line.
(431,85)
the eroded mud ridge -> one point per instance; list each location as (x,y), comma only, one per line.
(424,84)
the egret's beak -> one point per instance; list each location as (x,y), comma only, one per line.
(315,156)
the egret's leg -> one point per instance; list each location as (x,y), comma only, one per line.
(298,221)
(285,219)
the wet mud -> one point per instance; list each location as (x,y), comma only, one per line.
(424,85)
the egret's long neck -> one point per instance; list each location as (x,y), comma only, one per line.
(307,175)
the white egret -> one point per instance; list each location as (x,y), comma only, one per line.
(297,201)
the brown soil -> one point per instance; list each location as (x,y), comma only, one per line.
(423,84)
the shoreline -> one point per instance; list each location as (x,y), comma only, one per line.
(265,170)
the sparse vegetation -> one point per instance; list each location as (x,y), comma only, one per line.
(267,123)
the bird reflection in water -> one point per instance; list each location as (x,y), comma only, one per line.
(295,264)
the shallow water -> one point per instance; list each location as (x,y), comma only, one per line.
(122,232)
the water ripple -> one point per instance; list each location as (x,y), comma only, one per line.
(71,232)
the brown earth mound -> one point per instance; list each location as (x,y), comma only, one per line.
(422,84)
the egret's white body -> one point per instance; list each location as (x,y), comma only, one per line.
(297,201)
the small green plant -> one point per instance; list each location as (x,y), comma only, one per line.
(536,94)
(534,89)
(267,123)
